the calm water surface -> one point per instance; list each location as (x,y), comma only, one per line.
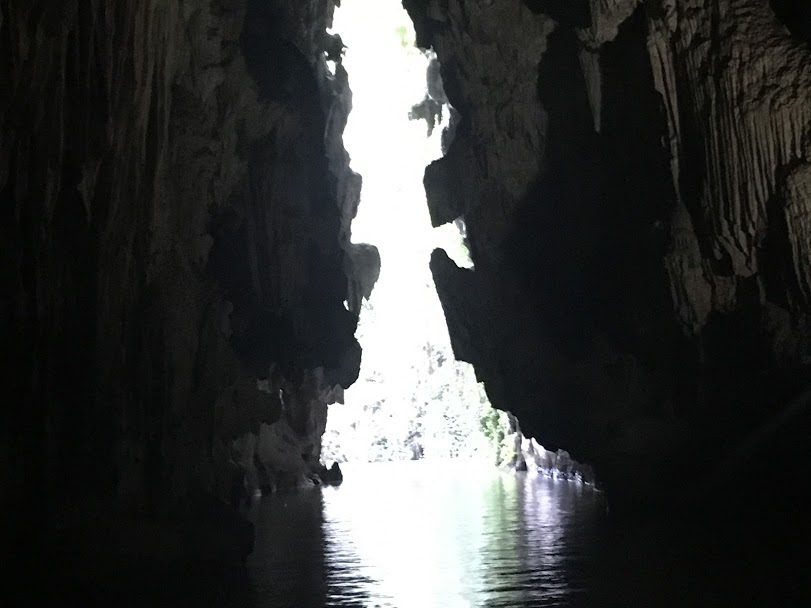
(418,534)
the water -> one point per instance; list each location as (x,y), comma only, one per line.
(420,534)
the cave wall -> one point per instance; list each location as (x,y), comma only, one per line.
(633,176)
(176,204)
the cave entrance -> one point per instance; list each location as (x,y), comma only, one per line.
(413,400)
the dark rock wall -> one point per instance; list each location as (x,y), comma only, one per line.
(175,202)
(633,176)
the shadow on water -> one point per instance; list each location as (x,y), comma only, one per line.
(449,535)
(287,566)
(136,563)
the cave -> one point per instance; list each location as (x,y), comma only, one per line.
(180,291)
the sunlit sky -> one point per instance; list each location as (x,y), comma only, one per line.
(391,153)
(386,148)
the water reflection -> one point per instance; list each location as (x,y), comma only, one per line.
(416,534)
(288,563)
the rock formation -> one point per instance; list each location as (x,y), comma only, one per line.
(633,177)
(178,297)
(176,204)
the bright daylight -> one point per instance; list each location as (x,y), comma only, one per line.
(413,400)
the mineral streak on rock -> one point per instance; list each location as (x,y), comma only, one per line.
(634,177)
(176,206)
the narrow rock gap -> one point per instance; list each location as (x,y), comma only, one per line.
(413,399)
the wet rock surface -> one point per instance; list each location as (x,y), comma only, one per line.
(332,476)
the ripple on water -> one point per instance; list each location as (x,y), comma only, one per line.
(418,534)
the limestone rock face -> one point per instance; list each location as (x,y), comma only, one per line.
(633,176)
(176,204)
(178,295)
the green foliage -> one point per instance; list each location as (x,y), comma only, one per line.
(447,415)
(405,39)
(414,399)
(494,425)
(491,426)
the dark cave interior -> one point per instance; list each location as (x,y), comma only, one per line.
(175,219)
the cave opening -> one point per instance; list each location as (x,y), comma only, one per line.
(413,400)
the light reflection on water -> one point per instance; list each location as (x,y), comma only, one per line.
(422,534)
